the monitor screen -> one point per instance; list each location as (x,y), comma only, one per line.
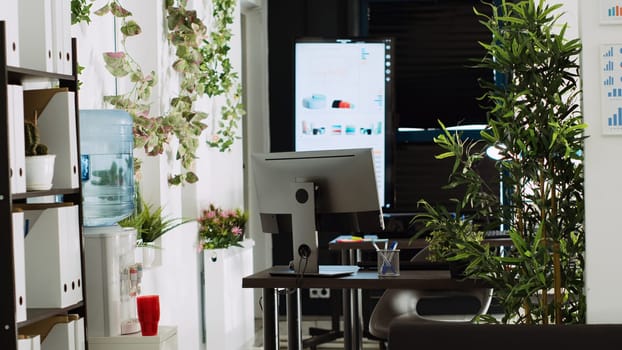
(343,100)
(306,192)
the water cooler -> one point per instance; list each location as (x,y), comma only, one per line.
(113,277)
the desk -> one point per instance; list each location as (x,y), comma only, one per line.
(350,255)
(415,279)
(352,299)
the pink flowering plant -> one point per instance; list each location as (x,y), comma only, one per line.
(220,228)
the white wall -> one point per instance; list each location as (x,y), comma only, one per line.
(257,133)
(603,170)
(177,279)
(95,79)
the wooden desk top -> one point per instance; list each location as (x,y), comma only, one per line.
(409,279)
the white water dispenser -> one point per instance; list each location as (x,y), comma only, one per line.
(113,279)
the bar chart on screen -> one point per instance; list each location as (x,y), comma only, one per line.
(611,88)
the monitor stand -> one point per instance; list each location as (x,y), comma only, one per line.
(324,271)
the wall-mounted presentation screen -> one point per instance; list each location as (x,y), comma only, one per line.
(343,100)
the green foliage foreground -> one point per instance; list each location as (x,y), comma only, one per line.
(536,124)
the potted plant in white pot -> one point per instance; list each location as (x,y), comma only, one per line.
(220,228)
(150,225)
(39,164)
(227,258)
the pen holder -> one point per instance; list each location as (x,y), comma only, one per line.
(388,262)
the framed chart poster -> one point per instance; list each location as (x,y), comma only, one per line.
(611,88)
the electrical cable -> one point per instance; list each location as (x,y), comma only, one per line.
(301,272)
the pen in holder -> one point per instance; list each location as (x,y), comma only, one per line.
(388,262)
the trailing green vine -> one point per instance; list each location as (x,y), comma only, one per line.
(199,62)
(186,32)
(80,11)
(219,77)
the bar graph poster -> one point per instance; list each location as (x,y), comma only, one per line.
(611,88)
(611,11)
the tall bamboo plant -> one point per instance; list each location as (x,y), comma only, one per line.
(535,123)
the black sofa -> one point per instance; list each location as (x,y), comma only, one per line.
(405,334)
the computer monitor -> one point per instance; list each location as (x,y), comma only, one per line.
(313,191)
(344,99)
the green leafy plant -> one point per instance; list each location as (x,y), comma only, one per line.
(536,117)
(150,223)
(33,144)
(205,68)
(218,77)
(220,228)
(187,34)
(445,229)
(80,11)
(535,123)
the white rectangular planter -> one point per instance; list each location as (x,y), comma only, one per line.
(228,308)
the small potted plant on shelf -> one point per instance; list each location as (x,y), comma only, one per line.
(150,225)
(220,228)
(39,164)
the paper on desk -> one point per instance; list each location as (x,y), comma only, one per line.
(421,256)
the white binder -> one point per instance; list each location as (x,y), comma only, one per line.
(24,344)
(17,157)
(36,342)
(20,267)
(61,37)
(61,337)
(53,266)
(57,128)
(11,26)
(79,333)
(35,32)
(29,342)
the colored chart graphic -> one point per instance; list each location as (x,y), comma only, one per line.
(615,119)
(611,11)
(611,88)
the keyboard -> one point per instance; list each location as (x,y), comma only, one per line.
(496,234)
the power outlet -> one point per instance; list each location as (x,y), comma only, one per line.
(319,293)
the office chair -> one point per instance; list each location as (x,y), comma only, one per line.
(457,306)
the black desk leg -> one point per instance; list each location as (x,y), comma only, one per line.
(352,321)
(357,317)
(294,328)
(347,307)
(347,320)
(270,319)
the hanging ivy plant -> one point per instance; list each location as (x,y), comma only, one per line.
(80,11)
(149,132)
(189,37)
(219,77)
